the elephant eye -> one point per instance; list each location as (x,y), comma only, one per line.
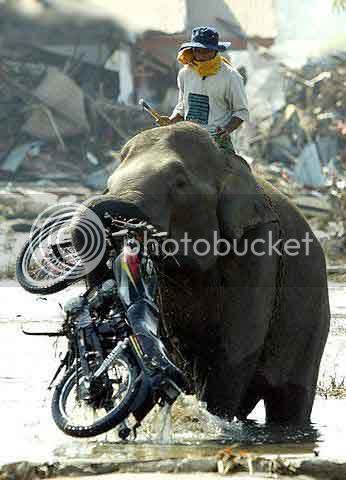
(181,183)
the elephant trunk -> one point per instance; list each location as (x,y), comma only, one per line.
(88,231)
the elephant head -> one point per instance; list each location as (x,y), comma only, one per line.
(185,185)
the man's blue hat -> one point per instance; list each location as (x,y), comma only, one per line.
(206,37)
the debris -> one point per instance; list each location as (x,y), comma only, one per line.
(307,136)
(64,105)
(59,92)
(92,159)
(66,113)
(16,156)
(97,180)
(308,170)
(312,467)
(25,203)
(336,269)
(232,459)
(301,149)
(21,227)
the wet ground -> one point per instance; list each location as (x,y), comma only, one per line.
(28,432)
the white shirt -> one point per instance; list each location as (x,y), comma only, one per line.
(211,102)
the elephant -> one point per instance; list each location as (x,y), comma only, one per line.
(251,323)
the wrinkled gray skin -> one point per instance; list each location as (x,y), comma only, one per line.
(241,348)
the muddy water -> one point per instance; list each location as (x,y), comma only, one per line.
(28,432)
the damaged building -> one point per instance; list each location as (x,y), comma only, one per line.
(70,95)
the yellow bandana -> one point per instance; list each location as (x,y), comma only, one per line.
(204,69)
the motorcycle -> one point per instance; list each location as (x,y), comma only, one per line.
(117,366)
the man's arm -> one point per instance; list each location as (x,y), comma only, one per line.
(238,104)
(176,118)
(230,127)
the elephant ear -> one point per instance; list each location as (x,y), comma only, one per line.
(242,205)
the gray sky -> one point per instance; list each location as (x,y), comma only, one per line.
(309,27)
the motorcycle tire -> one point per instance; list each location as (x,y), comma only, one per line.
(24,257)
(112,418)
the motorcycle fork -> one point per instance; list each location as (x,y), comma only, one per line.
(65,363)
(83,354)
(150,394)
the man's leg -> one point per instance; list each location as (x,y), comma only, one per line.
(226,145)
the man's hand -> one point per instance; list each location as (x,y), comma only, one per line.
(163,121)
(222,133)
(229,128)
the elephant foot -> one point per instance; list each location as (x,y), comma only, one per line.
(288,404)
(285,405)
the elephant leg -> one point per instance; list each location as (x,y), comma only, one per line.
(226,385)
(288,404)
(249,297)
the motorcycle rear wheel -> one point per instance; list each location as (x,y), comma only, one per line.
(47,263)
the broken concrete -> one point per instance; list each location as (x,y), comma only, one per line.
(224,463)
(68,117)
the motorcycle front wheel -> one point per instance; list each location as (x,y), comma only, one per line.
(80,418)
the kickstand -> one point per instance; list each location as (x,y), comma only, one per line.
(125,430)
(134,429)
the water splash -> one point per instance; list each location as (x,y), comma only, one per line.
(164,425)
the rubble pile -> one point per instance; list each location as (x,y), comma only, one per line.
(301,149)
(53,129)
(308,135)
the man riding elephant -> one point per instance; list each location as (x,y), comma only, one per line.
(211,92)
(246,292)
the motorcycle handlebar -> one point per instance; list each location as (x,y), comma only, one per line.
(130,226)
(124,232)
